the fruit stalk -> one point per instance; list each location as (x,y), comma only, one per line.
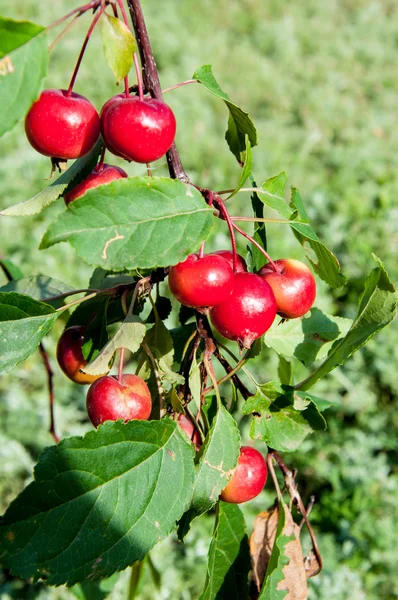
(151,81)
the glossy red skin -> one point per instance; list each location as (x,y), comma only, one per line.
(248,478)
(203,281)
(70,357)
(62,126)
(105,109)
(248,312)
(107,174)
(138,130)
(294,287)
(186,425)
(109,400)
(241,266)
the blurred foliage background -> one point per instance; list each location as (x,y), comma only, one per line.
(319,80)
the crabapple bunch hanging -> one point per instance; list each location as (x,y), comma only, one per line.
(164,332)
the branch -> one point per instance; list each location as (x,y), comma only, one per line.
(151,80)
(50,376)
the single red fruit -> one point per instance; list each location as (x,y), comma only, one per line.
(187,426)
(103,112)
(241,266)
(109,400)
(248,479)
(70,357)
(293,286)
(202,281)
(104,174)
(248,312)
(61,125)
(139,130)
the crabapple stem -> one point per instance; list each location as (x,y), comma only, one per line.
(80,10)
(230,374)
(123,11)
(139,76)
(151,81)
(248,237)
(156,406)
(178,85)
(121,364)
(220,204)
(100,164)
(88,297)
(50,375)
(202,250)
(63,32)
(83,48)
(261,220)
(210,371)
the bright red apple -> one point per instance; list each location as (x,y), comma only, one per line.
(99,176)
(293,286)
(248,479)
(62,125)
(248,312)
(241,266)
(139,130)
(109,400)
(205,281)
(70,356)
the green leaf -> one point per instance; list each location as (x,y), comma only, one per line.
(11,271)
(23,324)
(308,338)
(256,259)
(376,309)
(68,180)
(327,267)
(39,287)
(217,459)
(99,503)
(285,576)
(239,122)
(119,45)
(247,167)
(285,370)
(129,335)
(284,420)
(135,223)
(23,65)
(228,559)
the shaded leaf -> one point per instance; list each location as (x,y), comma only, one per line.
(139,222)
(285,370)
(23,324)
(119,45)
(247,168)
(23,66)
(239,122)
(228,559)
(376,309)
(99,503)
(39,287)
(11,270)
(68,180)
(284,419)
(272,194)
(308,338)
(285,577)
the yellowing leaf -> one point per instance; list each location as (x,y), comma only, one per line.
(119,45)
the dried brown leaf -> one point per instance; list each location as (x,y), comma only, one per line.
(311,565)
(295,581)
(261,543)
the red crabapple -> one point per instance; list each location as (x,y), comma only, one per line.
(99,176)
(70,356)
(248,479)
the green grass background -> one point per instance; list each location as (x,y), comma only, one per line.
(320,81)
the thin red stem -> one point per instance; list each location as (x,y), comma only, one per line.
(225,214)
(83,49)
(80,10)
(123,11)
(100,164)
(139,77)
(121,365)
(202,250)
(252,241)
(63,32)
(50,376)
(178,85)
(126,22)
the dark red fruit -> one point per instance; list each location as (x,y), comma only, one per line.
(248,479)
(248,312)
(293,286)
(139,130)
(103,112)
(188,427)
(203,281)
(61,125)
(109,400)
(241,266)
(70,356)
(104,174)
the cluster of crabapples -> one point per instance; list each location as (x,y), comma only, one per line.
(241,305)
